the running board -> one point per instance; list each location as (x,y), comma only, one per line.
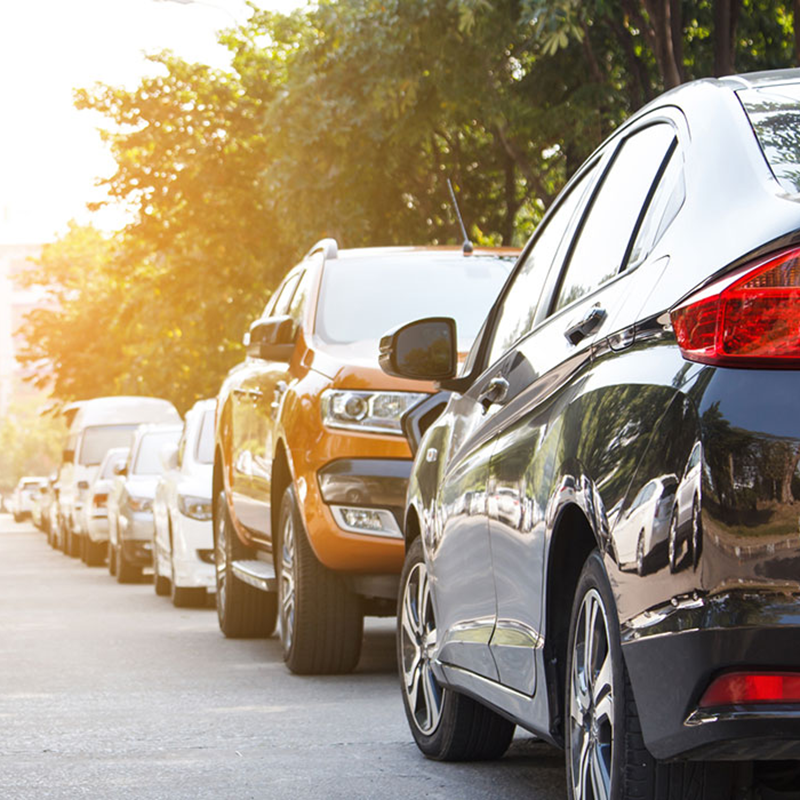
(256,573)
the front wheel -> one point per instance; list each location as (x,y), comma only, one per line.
(446,726)
(322,624)
(605,752)
(161,583)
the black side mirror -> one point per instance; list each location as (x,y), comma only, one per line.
(425,350)
(271,339)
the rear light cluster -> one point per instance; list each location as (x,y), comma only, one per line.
(752,688)
(753,321)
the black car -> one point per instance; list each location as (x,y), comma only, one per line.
(649,334)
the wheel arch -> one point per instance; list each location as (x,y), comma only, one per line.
(281,478)
(571,542)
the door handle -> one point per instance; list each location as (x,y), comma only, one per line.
(495,392)
(590,323)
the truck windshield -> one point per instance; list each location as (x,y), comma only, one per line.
(147,457)
(362,298)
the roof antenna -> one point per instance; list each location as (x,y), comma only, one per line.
(467,247)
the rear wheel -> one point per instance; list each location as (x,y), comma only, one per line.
(322,624)
(446,726)
(243,611)
(605,752)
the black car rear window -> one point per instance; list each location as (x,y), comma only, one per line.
(774,114)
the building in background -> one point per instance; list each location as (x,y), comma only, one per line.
(14,304)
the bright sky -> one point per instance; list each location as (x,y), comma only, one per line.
(50,153)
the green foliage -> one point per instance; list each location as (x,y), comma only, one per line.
(30,442)
(346,119)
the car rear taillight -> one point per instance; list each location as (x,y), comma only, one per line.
(100,500)
(750,322)
(747,688)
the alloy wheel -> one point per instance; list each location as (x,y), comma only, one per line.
(417,647)
(286,589)
(591,699)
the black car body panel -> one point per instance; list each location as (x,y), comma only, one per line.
(613,435)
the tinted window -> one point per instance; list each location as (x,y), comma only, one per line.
(664,207)
(615,212)
(520,303)
(775,117)
(205,441)
(147,458)
(99,439)
(362,298)
(298,304)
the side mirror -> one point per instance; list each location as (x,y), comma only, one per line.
(425,350)
(169,456)
(83,485)
(120,468)
(271,339)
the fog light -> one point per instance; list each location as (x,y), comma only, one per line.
(748,688)
(374,521)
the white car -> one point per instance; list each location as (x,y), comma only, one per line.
(94,514)
(22,498)
(183,539)
(130,502)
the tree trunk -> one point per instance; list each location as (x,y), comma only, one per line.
(726,15)
(662,24)
(512,204)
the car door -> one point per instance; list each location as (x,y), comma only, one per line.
(246,428)
(543,372)
(268,384)
(461,561)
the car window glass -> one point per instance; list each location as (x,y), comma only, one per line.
(205,441)
(615,211)
(281,306)
(521,300)
(664,207)
(147,456)
(97,440)
(181,449)
(298,304)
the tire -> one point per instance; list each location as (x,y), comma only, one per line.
(126,572)
(95,552)
(187,596)
(17,518)
(446,726)
(242,610)
(605,752)
(161,583)
(322,624)
(112,559)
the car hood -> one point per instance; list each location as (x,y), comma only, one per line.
(355,366)
(144,486)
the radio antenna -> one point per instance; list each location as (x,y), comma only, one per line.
(466,247)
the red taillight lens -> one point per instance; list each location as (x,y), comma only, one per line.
(746,688)
(100,500)
(755,321)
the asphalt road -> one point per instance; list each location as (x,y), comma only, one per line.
(107,691)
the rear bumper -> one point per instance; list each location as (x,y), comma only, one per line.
(672,654)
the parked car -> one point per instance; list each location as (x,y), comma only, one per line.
(183,537)
(311,465)
(649,329)
(94,515)
(130,502)
(95,426)
(23,496)
(39,505)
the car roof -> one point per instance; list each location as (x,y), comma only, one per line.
(440,251)
(122,410)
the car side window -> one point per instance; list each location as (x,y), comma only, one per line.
(518,312)
(664,207)
(281,307)
(615,213)
(298,304)
(181,449)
